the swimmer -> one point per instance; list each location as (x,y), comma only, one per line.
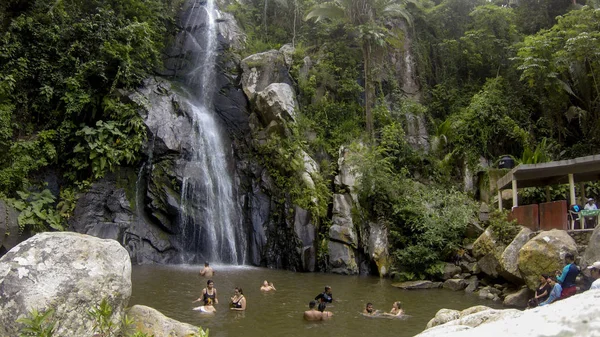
(325,296)
(266,286)
(238,301)
(207,308)
(324,314)
(209,293)
(369,309)
(312,314)
(207,271)
(396,310)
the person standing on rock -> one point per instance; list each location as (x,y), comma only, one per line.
(555,293)
(325,296)
(207,271)
(595,272)
(567,277)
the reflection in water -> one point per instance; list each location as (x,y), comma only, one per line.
(171,290)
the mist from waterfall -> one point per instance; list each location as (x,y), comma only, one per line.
(211,222)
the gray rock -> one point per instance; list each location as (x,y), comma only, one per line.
(260,208)
(348,174)
(342,210)
(574,316)
(455,284)
(417,285)
(151,322)
(489,265)
(592,252)
(9,227)
(68,272)
(509,262)
(443,316)
(288,52)
(450,270)
(472,284)
(473,230)
(342,258)
(261,70)
(378,247)
(343,234)
(518,299)
(306,232)
(230,32)
(276,103)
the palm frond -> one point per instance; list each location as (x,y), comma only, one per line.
(327,10)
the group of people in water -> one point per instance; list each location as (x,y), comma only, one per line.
(562,285)
(316,308)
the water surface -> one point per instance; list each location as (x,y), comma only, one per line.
(171,290)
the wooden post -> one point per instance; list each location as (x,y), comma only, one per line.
(571,189)
(514,193)
(548,198)
(500,200)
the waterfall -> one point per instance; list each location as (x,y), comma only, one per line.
(211,222)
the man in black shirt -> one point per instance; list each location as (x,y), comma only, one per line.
(325,296)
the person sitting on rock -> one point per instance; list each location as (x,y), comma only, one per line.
(555,293)
(595,273)
(567,277)
(541,292)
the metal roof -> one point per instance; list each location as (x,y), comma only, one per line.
(553,173)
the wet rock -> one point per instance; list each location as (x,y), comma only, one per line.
(68,272)
(414,285)
(342,258)
(472,284)
(153,323)
(9,227)
(509,262)
(450,270)
(455,284)
(230,33)
(544,254)
(306,232)
(518,299)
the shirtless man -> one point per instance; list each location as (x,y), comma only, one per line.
(369,309)
(312,314)
(207,271)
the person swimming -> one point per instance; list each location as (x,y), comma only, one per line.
(325,296)
(238,301)
(369,309)
(312,314)
(208,293)
(396,310)
(324,314)
(207,271)
(266,286)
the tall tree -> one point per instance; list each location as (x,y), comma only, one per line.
(365,18)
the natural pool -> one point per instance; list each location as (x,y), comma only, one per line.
(171,290)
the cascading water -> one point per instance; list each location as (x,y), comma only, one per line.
(211,223)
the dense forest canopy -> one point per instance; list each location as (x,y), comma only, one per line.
(516,78)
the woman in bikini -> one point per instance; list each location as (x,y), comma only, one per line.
(209,293)
(238,301)
(396,309)
(207,308)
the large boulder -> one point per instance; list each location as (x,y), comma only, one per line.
(342,258)
(378,247)
(261,70)
(68,272)
(574,316)
(488,250)
(509,261)
(544,254)
(592,252)
(277,103)
(443,316)
(450,270)
(455,284)
(9,227)
(306,232)
(518,299)
(151,322)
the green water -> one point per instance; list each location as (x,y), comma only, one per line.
(171,290)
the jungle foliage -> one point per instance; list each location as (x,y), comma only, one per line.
(63,66)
